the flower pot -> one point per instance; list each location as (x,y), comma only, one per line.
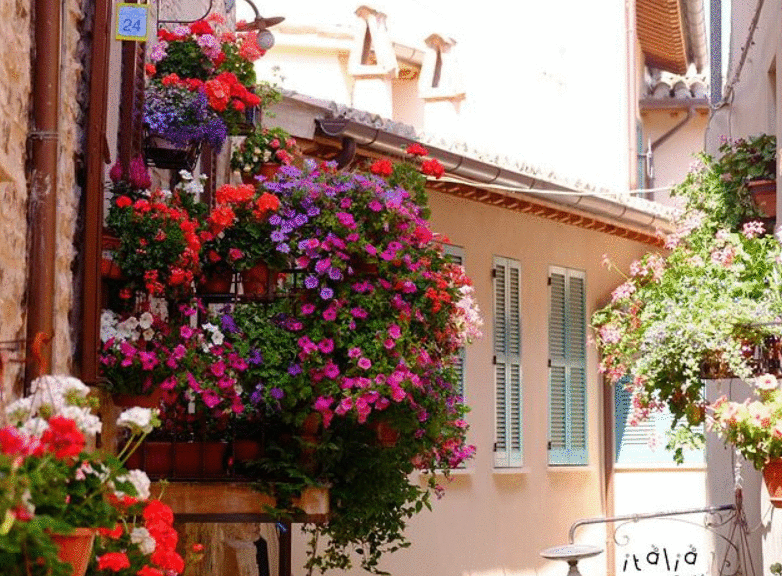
(772,476)
(764,195)
(75,548)
(162,153)
(218,282)
(387,434)
(259,281)
(151,400)
(249,178)
(314,500)
(108,267)
(269,170)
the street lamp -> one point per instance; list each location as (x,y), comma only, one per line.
(265,39)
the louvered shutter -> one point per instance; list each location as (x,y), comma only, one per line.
(567,368)
(643,443)
(456,255)
(507,363)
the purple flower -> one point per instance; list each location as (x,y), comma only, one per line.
(255,356)
(294,369)
(276,393)
(277,236)
(326,293)
(335,273)
(322,266)
(228,324)
(257,394)
(284,248)
(311,282)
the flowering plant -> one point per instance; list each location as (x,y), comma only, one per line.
(753,427)
(50,483)
(701,311)
(214,63)
(238,231)
(263,146)
(366,342)
(142,543)
(159,245)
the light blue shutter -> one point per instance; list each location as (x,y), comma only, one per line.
(644,443)
(567,368)
(507,363)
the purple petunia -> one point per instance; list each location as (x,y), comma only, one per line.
(276,393)
(311,282)
(326,293)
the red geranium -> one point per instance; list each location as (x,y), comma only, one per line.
(382,167)
(417,150)
(201,27)
(63,438)
(114,561)
(432,168)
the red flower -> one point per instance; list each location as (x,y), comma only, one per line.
(171,80)
(217,94)
(382,167)
(177,277)
(150,69)
(142,206)
(114,533)
(417,150)
(114,561)
(193,84)
(198,547)
(157,511)
(168,560)
(123,201)
(11,441)
(201,27)
(63,438)
(238,105)
(149,571)
(22,514)
(432,168)
(219,59)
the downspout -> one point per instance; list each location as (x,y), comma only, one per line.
(662,139)
(42,222)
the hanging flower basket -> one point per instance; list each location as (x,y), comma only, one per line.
(772,476)
(75,548)
(162,153)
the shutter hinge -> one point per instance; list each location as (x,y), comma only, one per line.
(549,280)
(495,447)
(493,272)
(549,362)
(549,445)
(494,360)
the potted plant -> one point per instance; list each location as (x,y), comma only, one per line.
(56,493)
(159,244)
(710,301)
(262,152)
(215,67)
(749,168)
(754,428)
(238,236)
(351,351)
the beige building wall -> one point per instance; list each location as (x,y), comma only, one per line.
(496,521)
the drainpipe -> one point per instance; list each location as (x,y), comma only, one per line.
(44,139)
(662,139)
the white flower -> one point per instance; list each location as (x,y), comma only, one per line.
(108,325)
(145,320)
(85,420)
(138,420)
(19,411)
(140,482)
(35,426)
(146,543)
(148,333)
(159,307)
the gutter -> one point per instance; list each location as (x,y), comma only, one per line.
(481,173)
(42,225)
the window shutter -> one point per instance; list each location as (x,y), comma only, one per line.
(456,255)
(507,369)
(567,368)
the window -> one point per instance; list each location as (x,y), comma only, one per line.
(507,363)
(567,368)
(456,255)
(644,443)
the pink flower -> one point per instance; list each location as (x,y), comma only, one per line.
(354,352)
(766,382)
(307,309)
(394,331)
(364,363)
(345,405)
(326,345)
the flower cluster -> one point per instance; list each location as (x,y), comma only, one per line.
(237,234)
(754,427)
(143,543)
(265,145)
(214,67)
(159,243)
(702,310)
(50,483)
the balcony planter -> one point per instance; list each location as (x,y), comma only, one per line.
(108,267)
(75,548)
(217,282)
(259,281)
(772,476)
(162,153)
(151,400)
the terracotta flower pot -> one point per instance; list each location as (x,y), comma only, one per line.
(75,548)
(387,434)
(108,267)
(219,282)
(764,195)
(249,178)
(151,400)
(269,170)
(259,280)
(772,476)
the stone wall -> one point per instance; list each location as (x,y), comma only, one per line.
(14,109)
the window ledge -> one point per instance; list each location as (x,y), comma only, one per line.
(570,469)
(511,471)
(651,467)
(453,472)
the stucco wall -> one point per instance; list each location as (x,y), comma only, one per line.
(14,106)
(497,521)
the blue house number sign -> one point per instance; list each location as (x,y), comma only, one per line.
(132,22)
